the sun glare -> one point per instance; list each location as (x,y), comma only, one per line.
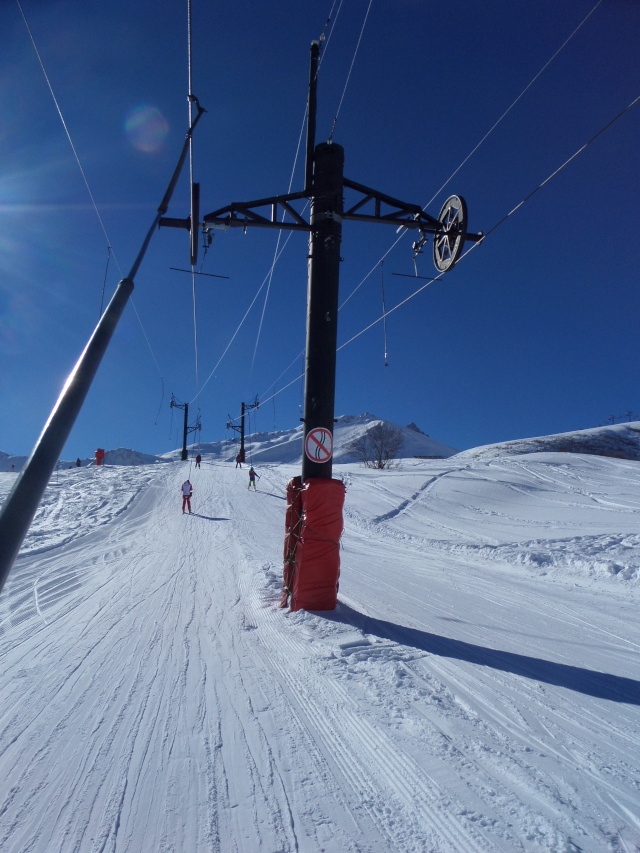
(146,128)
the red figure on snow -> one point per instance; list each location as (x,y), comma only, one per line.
(187,491)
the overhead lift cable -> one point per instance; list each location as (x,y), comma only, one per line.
(490,231)
(560,168)
(324,41)
(501,221)
(266,281)
(91,197)
(66,130)
(240,324)
(324,38)
(278,252)
(520,96)
(194,223)
(104,280)
(384,314)
(476,147)
(353,59)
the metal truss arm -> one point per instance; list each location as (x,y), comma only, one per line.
(241,214)
(410,216)
(403,213)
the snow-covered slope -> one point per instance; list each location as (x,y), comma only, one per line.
(621,441)
(476,689)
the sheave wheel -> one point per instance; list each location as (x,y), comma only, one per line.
(448,240)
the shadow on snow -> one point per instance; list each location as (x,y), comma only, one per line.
(615,688)
(206,517)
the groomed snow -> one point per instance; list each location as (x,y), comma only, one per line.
(477,688)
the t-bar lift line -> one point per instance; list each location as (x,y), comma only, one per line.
(325,185)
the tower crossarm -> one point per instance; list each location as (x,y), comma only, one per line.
(279,213)
(375,206)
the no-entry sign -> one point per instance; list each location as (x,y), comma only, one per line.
(318,445)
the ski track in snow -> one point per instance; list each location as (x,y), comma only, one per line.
(477,688)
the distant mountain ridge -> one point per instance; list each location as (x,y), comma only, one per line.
(121,456)
(285,446)
(278,447)
(620,441)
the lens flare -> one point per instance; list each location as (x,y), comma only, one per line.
(146,128)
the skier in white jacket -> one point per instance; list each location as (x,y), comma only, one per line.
(187,491)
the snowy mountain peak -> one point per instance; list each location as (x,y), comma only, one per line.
(415,428)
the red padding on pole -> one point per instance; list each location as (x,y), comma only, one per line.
(317,556)
(292,528)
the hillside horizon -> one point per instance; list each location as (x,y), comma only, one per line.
(620,441)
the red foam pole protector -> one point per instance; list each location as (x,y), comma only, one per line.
(317,555)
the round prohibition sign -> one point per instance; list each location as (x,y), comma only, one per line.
(318,445)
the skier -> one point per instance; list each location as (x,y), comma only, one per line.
(198,460)
(187,491)
(252,479)
(238,461)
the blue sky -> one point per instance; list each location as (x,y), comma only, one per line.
(533,332)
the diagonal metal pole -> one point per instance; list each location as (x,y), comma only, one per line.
(22,503)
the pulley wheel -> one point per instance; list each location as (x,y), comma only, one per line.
(448,241)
